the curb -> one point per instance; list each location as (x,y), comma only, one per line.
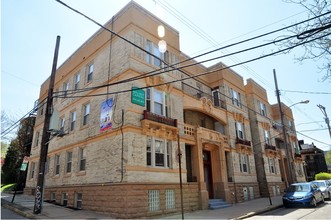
(17,209)
(260,212)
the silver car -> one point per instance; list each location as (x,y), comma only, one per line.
(325,187)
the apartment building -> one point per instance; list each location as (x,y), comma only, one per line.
(124,123)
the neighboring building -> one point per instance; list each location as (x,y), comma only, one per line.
(295,161)
(314,160)
(120,152)
(268,156)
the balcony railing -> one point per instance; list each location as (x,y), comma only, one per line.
(270,147)
(243,142)
(198,94)
(159,118)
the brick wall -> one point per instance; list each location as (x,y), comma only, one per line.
(126,200)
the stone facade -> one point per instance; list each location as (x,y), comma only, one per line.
(132,168)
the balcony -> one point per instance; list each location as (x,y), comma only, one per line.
(243,146)
(159,126)
(270,150)
(159,118)
(270,147)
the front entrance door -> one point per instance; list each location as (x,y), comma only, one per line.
(208,173)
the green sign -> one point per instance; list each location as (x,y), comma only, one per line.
(138,96)
(23,166)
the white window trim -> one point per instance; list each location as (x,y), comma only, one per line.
(152,92)
(69,161)
(240,128)
(166,153)
(244,160)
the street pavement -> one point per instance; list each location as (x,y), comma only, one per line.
(23,205)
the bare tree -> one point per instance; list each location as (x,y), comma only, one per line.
(318,29)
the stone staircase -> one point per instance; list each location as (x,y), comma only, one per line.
(217,204)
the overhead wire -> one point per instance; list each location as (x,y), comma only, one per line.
(174,65)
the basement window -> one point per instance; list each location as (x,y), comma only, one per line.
(153,200)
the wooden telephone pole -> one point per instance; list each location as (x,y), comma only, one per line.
(45,136)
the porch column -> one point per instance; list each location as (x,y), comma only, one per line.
(198,165)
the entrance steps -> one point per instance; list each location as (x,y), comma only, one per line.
(217,204)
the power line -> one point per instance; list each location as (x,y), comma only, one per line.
(173,65)
(205,73)
(308,92)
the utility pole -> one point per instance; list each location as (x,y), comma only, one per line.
(288,153)
(45,136)
(327,121)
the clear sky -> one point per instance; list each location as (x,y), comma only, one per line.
(29,30)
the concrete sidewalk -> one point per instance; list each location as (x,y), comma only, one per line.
(23,205)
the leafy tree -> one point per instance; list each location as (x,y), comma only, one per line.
(318,49)
(328,157)
(10,168)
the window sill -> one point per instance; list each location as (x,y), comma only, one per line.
(81,173)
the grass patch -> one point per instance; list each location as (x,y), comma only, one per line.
(8,187)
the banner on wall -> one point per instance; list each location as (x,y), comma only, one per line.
(106,115)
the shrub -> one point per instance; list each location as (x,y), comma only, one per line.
(323,176)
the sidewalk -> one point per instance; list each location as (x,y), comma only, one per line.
(23,205)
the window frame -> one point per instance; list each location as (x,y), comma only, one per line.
(151,100)
(244,163)
(263,109)
(76,81)
(33,170)
(81,159)
(65,89)
(165,151)
(69,162)
(240,130)
(86,113)
(57,164)
(90,71)
(267,137)
(272,165)
(73,118)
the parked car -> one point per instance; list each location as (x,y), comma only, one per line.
(325,187)
(302,194)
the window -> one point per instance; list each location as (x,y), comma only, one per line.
(81,159)
(170,199)
(244,165)
(57,165)
(90,70)
(69,161)
(158,152)
(156,102)
(86,114)
(78,200)
(235,97)
(64,201)
(267,137)
(53,197)
(153,49)
(47,165)
(153,200)
(33,167)
(216,97)
(240,130)
(62,123)
(65,89)
(77,80)
(263,110)
(37,139)
(72,120)
(272,167)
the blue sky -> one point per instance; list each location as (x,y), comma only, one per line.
(29,30)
